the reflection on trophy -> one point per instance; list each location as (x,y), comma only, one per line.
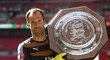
(78,31)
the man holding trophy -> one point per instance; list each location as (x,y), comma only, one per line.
(77,33)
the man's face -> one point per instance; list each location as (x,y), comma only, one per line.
(36,23)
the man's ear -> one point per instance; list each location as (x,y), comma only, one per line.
(28,24)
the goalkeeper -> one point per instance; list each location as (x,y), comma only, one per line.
(37,46)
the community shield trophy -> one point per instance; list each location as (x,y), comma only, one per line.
(79,31)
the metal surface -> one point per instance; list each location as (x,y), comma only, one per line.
(78,31)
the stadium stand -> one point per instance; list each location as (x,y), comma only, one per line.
(8,44)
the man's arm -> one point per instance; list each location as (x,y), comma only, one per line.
(23,53)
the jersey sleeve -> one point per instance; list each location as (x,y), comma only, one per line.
(23,53)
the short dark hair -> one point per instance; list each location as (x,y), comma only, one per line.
(32,11)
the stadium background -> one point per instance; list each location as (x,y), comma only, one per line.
(13,29)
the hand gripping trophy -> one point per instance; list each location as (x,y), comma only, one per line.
(79,31)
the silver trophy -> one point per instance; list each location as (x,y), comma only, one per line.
(78,31)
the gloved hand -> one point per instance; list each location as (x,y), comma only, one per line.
(59,56)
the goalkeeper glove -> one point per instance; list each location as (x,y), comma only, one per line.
(59,56)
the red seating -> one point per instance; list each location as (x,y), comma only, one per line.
(19,20)
(8,58)
(7,4)
(8,43)
(103,55)
(108,45)
(49,6)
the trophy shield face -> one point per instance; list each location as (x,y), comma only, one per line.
(78,31)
